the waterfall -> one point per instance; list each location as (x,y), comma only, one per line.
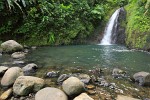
(110,29)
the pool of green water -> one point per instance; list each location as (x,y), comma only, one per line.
(89,56)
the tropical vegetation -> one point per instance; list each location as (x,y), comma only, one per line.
(138,24)
(63,22)
(52,22)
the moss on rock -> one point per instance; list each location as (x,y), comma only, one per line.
(138,25)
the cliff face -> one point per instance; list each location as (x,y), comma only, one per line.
(119,36)
(138,25)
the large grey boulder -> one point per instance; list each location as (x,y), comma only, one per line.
(73,86)
(143,78)
(122,97)
(3,69)
(29,68)
(17,55)
(11,75)
(27,84)
(11,46)
(83,96)
(50,93)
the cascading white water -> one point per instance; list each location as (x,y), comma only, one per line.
(109,29)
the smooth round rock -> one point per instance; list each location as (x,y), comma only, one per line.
(84,78)
(50,93)
(143,78)
(29,68)
(11,46)
(27,84)
(17,55)
(73,86)
(11,75)
(83,96)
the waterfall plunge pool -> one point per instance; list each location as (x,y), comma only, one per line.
(92,56)
(88,56)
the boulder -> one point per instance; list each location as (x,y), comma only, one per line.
(27,84)
(83,96)
(11,46)
(84,78)
(62,78)
(73,86)
(11,75)
(122,97)
(50,93)
(6,94)
(118,73)
(3,69)
(17,55)
(143,78)
(29,68)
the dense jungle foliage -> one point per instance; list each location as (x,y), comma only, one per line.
(138,24)
(53,22)
(62,22)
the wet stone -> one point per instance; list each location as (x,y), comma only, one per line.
(62,78)
(52,74)
(6,94)
(30,69)
(18,55)
(118,73)
(18,62)
(84,78)
(90,87)
(91,92)
(103,82)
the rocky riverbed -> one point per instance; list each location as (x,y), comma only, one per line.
(28,81)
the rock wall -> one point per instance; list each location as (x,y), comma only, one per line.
(119,34)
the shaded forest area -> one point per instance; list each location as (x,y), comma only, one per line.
(63,22)
(53,22)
